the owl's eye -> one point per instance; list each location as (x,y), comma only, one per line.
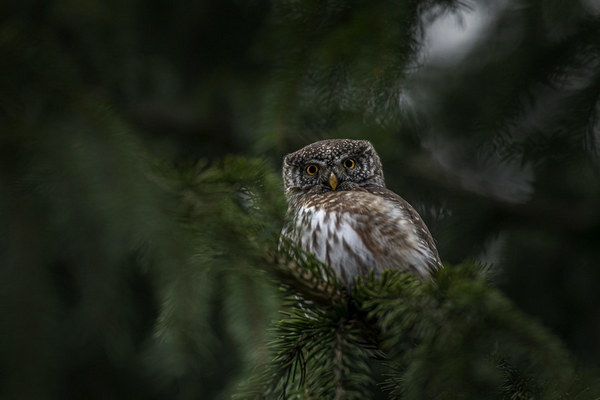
(349,163)
(312,169)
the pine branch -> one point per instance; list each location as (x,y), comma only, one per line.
(306,281)
(453,338)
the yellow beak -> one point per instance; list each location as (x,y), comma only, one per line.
(333,182)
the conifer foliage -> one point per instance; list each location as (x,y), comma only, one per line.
(141,204)
(399,337)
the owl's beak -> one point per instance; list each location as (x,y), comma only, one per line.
(333,181)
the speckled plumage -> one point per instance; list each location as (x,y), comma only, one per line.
(346,216)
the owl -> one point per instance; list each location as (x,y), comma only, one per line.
(340,211)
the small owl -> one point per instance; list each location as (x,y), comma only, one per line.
(340,211)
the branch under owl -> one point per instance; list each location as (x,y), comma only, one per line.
(306,282)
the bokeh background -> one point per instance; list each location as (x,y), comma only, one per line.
(130,130)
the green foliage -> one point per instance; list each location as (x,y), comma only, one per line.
(455,337)
(218,302)
(129,271)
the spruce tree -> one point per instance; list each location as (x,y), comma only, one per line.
(141,202)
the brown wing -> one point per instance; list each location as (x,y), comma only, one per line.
(421,229)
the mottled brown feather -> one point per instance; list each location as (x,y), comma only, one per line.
(361,225)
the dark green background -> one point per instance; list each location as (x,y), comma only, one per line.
(112,278)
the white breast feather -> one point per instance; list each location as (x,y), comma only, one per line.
(416,255)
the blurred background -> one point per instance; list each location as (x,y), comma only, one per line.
(130,128)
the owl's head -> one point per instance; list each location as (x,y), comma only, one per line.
(327,165)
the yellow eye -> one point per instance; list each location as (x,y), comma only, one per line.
(312,169)
(349,163)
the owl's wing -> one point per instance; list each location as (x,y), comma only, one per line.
(421,229)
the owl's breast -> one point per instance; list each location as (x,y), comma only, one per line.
(355,232)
